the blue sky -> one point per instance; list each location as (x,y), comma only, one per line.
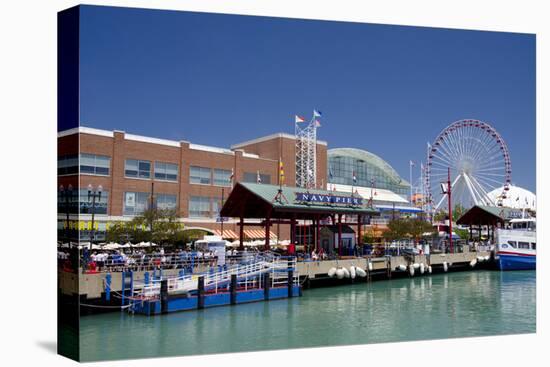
(222,79)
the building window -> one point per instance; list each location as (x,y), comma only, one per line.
(137,169)
(135,203)
(93,164)
(199,206)
(222,177)
(166,171)
(166,202)
(67,164)
(253,177)
(86,203)
(68,203)
(200,175)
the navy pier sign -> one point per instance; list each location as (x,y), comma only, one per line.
(328,199)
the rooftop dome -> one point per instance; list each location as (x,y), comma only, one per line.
(370,159)
(517,197)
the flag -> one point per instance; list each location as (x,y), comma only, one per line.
(330,172)
(317,123)
(258,178)
(298,118)
(232,175)
(317,113)
(412,163)
(354,177)
(281,172)
(517,199)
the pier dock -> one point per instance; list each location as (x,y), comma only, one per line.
(110,289)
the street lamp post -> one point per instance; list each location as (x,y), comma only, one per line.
(66,195)
(92,195)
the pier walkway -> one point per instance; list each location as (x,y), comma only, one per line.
(92,285)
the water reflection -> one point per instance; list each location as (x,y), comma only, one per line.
(439,306)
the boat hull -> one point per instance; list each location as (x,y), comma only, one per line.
(512,261)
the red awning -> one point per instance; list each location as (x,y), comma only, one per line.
(227,233)
(258,234)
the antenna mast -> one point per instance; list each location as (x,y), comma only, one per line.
(306,152)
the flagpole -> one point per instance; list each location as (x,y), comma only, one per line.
(410,181)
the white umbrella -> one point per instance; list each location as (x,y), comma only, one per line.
(112,246)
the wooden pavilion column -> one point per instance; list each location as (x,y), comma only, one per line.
(267,228)
(317,232)
(340,234)
(241,234)
(359,225)
(293,230)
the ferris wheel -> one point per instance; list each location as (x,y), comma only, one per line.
(478,161)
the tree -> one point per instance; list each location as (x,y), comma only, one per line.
(411,228)
(418,226)
(153,225)
(397,229)
(441,215)
(369,237)
(462,233)
(458,212)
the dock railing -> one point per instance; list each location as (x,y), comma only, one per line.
(249,276)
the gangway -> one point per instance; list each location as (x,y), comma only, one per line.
(267,277)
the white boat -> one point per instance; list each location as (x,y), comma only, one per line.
(516,247)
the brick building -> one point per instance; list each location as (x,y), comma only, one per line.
(186,177)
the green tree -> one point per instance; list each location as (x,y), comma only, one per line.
(458,211)
(411,228)
(441,215)
(462,233)
(418,226)
(397,229)
(153,225)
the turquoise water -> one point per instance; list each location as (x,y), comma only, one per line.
(431,307)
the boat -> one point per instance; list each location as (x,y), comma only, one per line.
(516,246)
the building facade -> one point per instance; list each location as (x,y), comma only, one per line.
(360,171)
(135,172)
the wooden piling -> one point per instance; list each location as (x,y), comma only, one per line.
(200,297)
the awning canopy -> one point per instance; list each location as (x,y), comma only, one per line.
(227,233)
(488,215)
(251,200)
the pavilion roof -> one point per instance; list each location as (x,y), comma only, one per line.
(483,214)
(253,200)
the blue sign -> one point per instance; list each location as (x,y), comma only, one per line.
(328,199)
(222,219)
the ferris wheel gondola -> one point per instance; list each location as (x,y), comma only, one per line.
(479,162)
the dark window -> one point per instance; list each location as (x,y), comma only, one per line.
(200,175)
(93,164)
(137,169)
(67,164)
(166,171)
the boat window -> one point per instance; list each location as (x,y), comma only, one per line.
(533,246)
(524,245)
(513,244)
